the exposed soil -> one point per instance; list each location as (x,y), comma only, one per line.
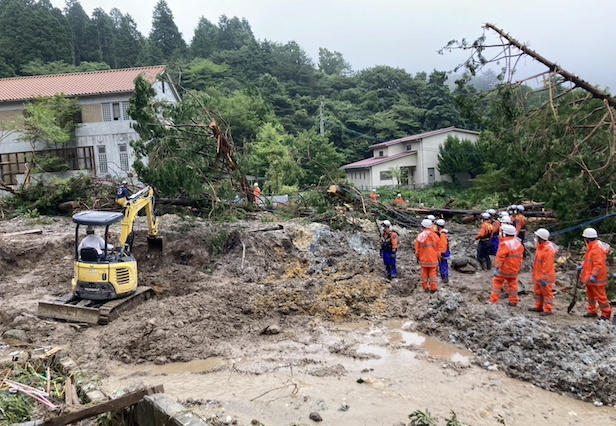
(301,320)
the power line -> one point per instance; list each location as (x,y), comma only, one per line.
(363,135)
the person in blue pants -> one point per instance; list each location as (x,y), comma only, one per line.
(443,265)
(389,248)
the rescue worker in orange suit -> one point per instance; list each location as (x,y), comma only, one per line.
(544,273)
(443,265)
(374,197)
(389,249)
(509,261)
(519,220)
(428,255)
(494,220)
(256,192)
(399,201)
(594,275)
(483,248)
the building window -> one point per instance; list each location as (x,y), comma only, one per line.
(102,159)
(115,111)
(381,153)
(409,147)
(385,175)
(123,156)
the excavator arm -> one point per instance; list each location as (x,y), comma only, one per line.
(144,199)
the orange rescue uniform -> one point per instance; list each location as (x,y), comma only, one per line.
(544,272)
(509,259)
(595,265)
(374,197)
(399,201)
(427,247)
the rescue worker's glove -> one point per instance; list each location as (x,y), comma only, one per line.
(543,283)
(579,268)
(496,272)
(593,279)
(393,255)
(417,258)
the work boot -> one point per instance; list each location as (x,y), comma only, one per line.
(589,315)
(445,280)
(534,310)
(513,304)
(545,314)
(602,318)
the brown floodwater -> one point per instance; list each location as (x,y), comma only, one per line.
(395,373)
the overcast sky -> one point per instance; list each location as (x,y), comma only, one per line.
(407,33)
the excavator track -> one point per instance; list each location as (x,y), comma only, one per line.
(73,309)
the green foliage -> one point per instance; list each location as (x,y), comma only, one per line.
(50,120)
(44,198)
(419,418)
(38,67)
(15,408)
(459,157)
(333,63)
(165,34)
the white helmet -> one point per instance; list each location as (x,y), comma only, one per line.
(256,184)
(492,212)
(520,208)
(505,219)
(426,223)
(503,213)
(399,195)
(440,222)
(543,233)
(590,233)
(386,223)
(373,190)
(508,229)
(485,215)
(431,217)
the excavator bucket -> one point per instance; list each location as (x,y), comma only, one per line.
(155,245)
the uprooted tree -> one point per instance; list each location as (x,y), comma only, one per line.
(555,142)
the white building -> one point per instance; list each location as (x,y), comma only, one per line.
(415,157)
(102,146)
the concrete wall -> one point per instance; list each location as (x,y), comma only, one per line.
(160,410)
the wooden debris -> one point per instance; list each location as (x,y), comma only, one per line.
(104,407)
(29,231)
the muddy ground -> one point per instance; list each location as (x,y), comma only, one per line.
(253,325)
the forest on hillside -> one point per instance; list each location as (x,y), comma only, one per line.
(295,121)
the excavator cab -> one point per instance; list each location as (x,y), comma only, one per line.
(106,276)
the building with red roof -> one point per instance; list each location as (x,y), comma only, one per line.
(416,157)
(102,144)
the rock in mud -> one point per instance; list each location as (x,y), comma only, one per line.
(315,417)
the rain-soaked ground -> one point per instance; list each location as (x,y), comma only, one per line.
(251,323)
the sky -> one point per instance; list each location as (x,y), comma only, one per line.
(408,33)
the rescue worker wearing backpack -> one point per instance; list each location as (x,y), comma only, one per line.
(509,261)
(443,265)
(594,275)
(483,248)
(389,249)
(544,273)
(427,255)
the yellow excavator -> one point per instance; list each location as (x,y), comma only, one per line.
(105,284)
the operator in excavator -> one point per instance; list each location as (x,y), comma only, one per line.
(93,241)
(123,194)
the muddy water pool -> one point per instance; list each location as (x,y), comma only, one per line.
(393,373)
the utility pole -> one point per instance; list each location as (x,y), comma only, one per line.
(321,120)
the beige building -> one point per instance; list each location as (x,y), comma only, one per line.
(411,161)
(102,145)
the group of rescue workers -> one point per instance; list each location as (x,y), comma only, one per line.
(502,235)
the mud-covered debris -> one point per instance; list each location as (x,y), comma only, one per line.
(315,417)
